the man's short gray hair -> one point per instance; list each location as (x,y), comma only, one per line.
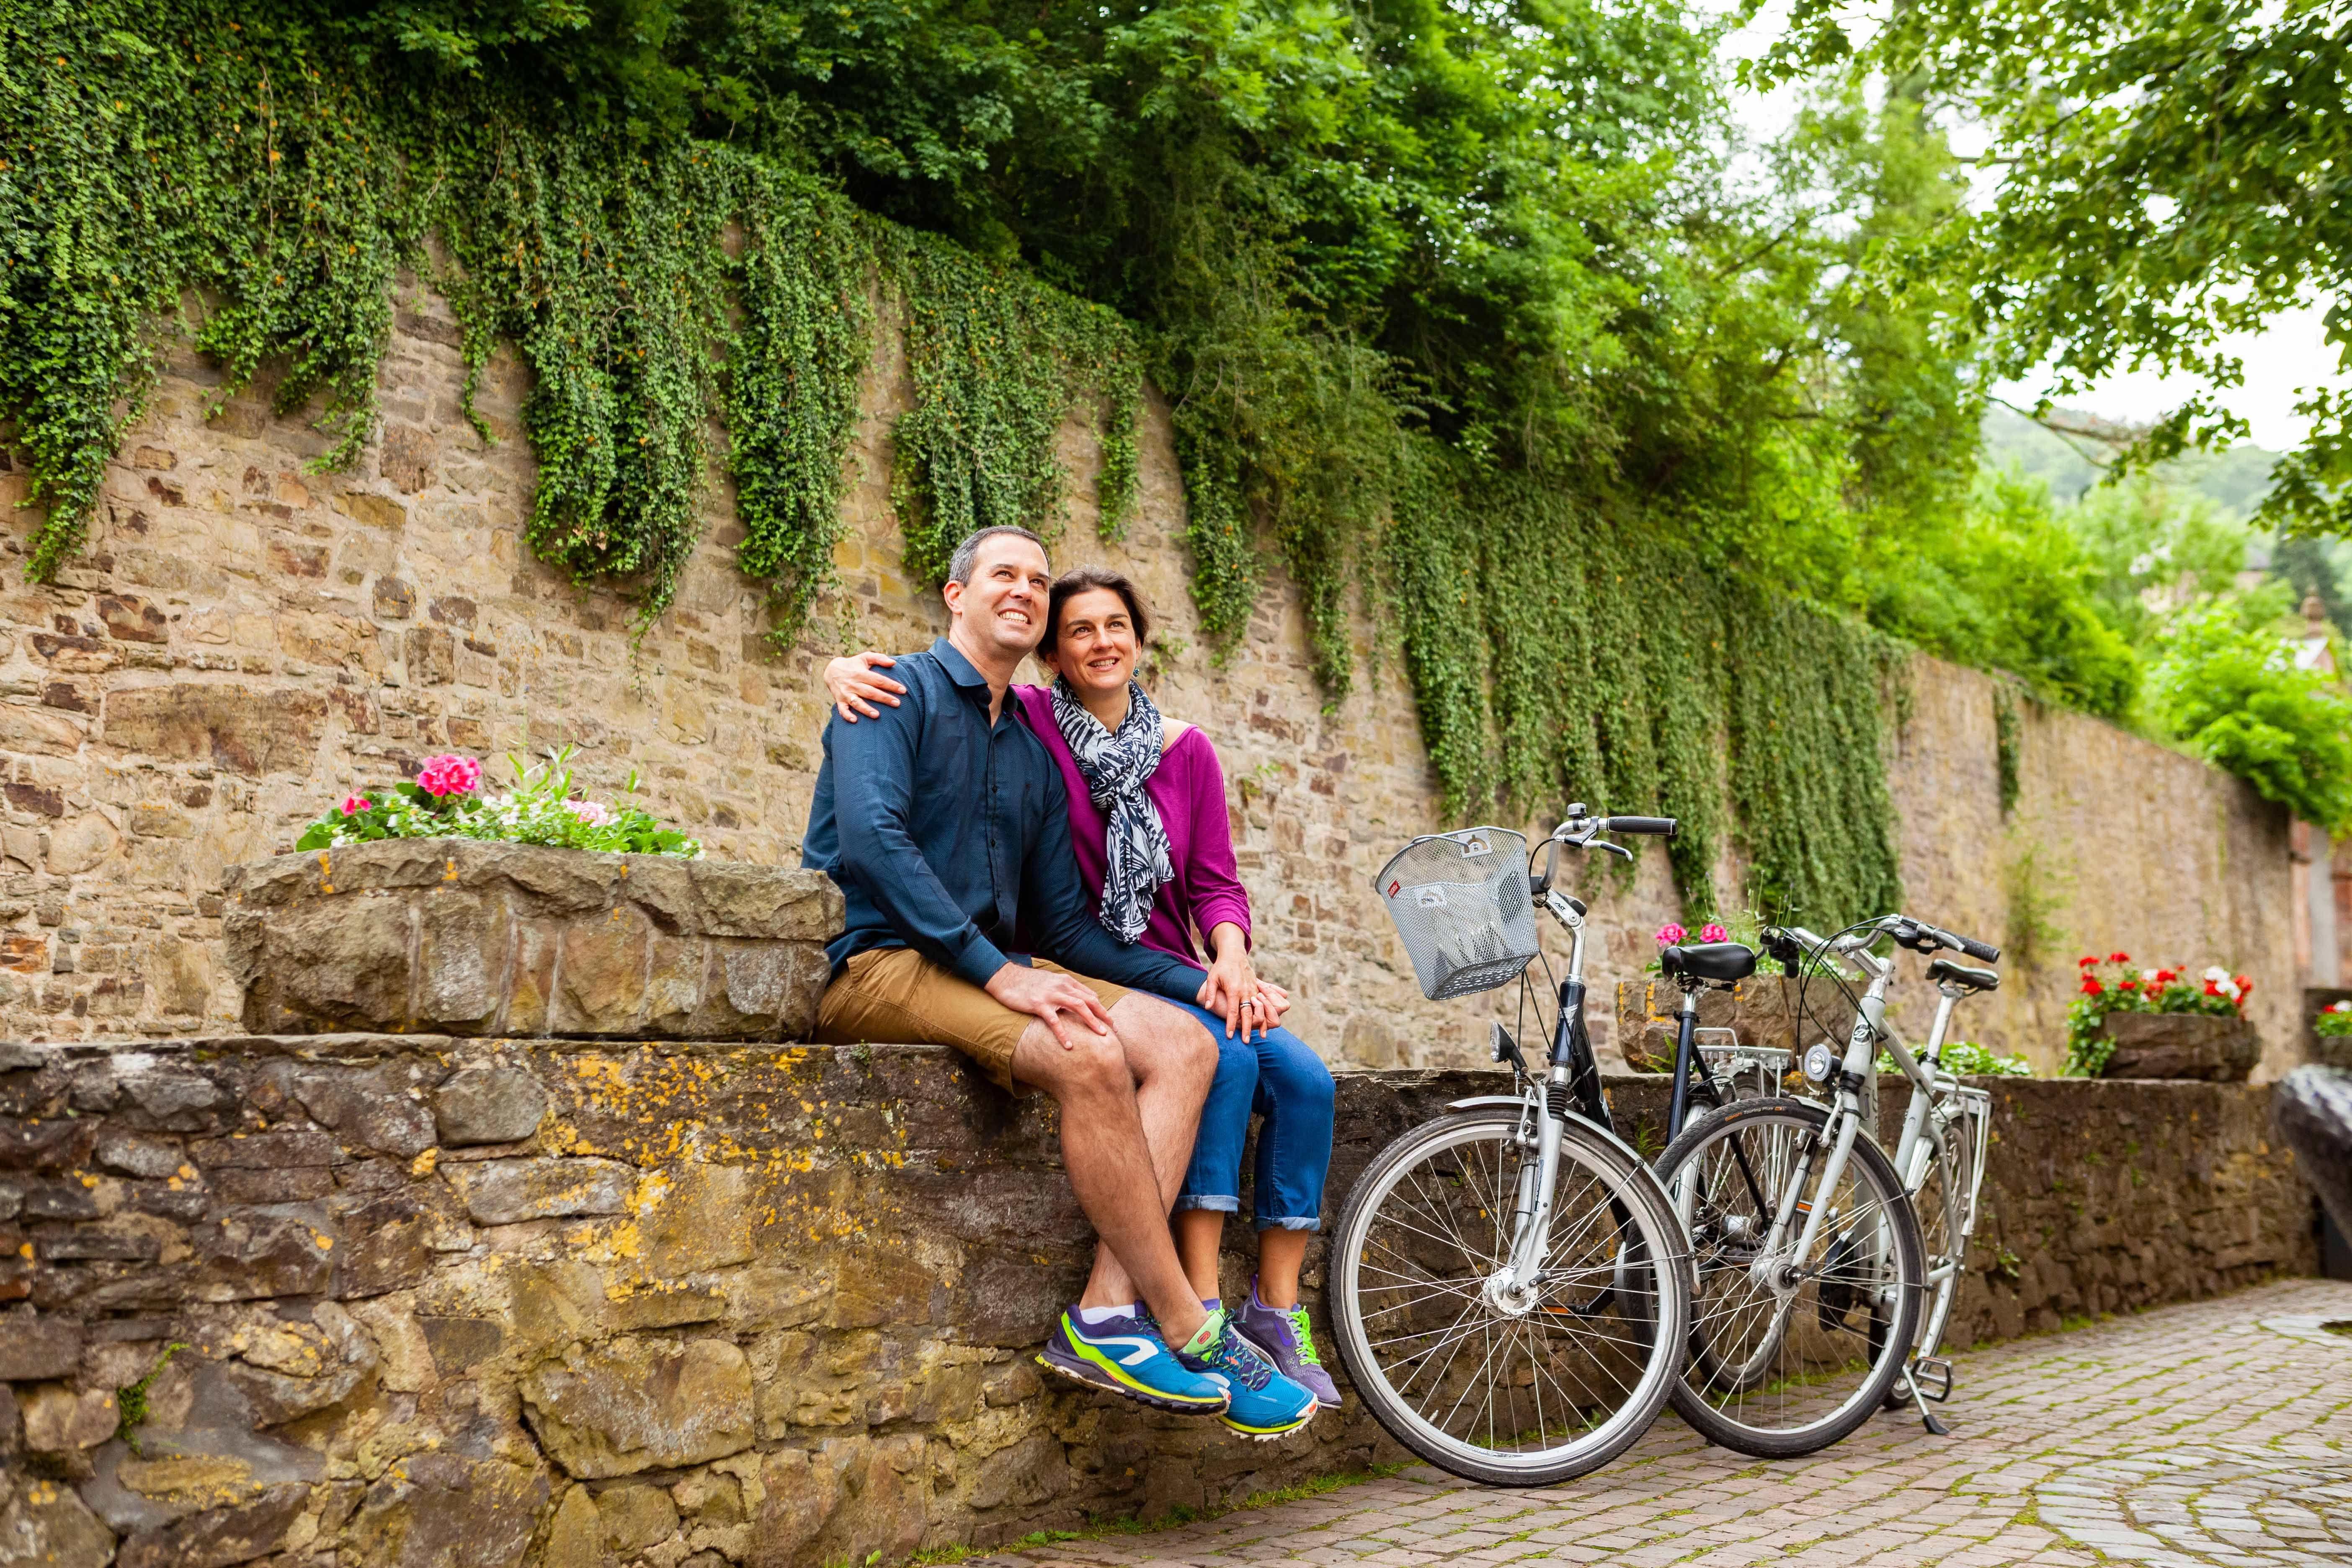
(960,564)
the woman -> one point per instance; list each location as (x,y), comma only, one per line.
(1148,826)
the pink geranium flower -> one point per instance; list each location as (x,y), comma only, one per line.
(1670,934)
(355,804)
(444,776)
(1712,931)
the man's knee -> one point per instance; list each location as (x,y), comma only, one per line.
(1090,1063)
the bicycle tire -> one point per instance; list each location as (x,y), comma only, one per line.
(1937,1207)
(1629,1269)
(1797,1425)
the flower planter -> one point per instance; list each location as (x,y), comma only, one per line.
(463,937)
(1759,1009)
(2181,1045)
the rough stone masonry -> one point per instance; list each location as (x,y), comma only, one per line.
(412,1301)
(243,640)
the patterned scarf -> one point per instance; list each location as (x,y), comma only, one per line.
(1135,863)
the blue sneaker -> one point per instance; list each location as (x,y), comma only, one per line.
(1288,1340)
(1126,1356)
(1264,1403)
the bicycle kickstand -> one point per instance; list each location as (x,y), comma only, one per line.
(1927,1418)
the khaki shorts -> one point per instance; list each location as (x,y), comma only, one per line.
(895,995)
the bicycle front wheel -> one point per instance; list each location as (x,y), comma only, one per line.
(1506,1387)
(1790,1353)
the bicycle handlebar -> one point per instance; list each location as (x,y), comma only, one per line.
(1916,935)
(1658,826)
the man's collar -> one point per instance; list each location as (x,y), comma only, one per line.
(960,669)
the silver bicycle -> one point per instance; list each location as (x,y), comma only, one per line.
(1509,1286)
(1815,1285)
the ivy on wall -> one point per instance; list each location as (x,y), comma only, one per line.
(163,155)
(1556,654)
(156,154)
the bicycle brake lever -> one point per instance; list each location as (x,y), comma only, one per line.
(1612,849)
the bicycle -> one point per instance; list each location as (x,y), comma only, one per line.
(1810,1267)
(1940,1156)
(1508,1283)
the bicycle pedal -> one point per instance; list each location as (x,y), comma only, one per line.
(1933,1378)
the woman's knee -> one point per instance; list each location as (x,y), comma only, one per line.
(1289,1072)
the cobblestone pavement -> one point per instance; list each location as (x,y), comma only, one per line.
(2218,1433)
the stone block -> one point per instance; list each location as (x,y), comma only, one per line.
(763,901)
(504,1192)
(457,1343)
(635,1517)
(2181,1045)
(600,977)
(249,1255)
(218,1537)
(489,1105)
(576,1537)
(448,1511)
(45,1523)
(34,1345)
(696,1218)
(461,942)
(340,963)
(153,1158)
(372,1108)
(243,729)
(637,1404)
(59,1419)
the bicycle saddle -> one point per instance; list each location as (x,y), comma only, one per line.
(1960,975)
(1720,960)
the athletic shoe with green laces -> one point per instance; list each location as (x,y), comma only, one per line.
(1289,1341)
(1264,1403)
(1126,1355)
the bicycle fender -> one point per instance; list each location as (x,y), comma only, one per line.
(1518,1102)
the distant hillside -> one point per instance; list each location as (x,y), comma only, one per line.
(2234,481)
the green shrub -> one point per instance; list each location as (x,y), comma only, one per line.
(2226,686)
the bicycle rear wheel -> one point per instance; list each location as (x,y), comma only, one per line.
(1490,1386)
(1789,1354)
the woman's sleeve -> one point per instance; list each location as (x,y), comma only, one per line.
(1213,877)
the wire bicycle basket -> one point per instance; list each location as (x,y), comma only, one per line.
(1460,905)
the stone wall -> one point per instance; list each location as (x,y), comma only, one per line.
(368,1301)
(245,640)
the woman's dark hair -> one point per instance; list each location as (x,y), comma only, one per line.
(1082,579)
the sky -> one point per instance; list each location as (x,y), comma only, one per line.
(2289,354)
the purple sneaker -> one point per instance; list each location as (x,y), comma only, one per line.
(1288,1340)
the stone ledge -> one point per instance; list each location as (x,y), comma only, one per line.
(624,1302)
(486,939)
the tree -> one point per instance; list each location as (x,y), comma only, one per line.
(2167,174)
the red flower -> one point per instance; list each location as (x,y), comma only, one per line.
(2084,962)
(2245,984)
(2127,985)
(2091,986)
(2212,988)
(2119,958)
(2167,977)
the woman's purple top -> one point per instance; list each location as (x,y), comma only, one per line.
(1188,790)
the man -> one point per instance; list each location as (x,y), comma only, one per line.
(947,826)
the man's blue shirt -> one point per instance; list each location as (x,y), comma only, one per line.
(948,833)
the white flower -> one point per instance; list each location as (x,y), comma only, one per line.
(2229,988)
(2217,975)
(2148,974)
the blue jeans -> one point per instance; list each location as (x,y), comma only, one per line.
(1277,1077)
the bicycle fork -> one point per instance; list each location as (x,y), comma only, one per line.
(1571,1076)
